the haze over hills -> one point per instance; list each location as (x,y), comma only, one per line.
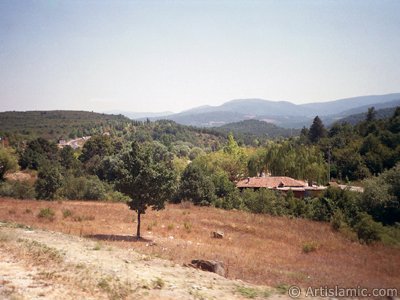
(282,113)
(139,115)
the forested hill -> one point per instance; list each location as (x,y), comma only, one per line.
(62,124)
(357,118)
(59,123)
(248,131)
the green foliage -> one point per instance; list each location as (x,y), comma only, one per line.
(255,132)
(97,146)
(8,161)
(338,220)
(53,125)
(46,213)
(367,229)
(147,182)
(261,201)
(37,153)
(310,247)
(48,182)
(370,147)
(67,158)
(83,188)
(196,186)
(297,161)
(381,197)
(317,130)
(17,189)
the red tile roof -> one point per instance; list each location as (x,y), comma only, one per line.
(270,182)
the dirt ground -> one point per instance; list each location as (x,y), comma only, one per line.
(39,264)
(258,249)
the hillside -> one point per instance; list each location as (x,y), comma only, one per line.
(55,125)
(281,113)
(273,254)
(380,114)
(59,123)
(249,130)
(40,264)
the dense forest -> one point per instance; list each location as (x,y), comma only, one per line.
(202,166)
(255,132)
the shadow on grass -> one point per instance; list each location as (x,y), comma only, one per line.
(118,238)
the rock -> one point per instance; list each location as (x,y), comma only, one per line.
(217,234)
(209,265)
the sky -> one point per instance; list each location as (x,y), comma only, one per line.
(174,55)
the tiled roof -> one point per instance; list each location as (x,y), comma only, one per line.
(270,182)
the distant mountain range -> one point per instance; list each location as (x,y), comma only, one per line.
(281,113)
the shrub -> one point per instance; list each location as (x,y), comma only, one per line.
(367,229)
(84,188)
(49,180)
(66,213)
(196,186)
(187,226)
(46,213)
(261,201)
(310,247)
(17,189)
(8,161)
(337,220)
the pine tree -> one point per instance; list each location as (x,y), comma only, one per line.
(317,130)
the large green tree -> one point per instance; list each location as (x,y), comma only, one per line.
(37,153)
(317,130)
(196,186)
(148,183)
(48,182)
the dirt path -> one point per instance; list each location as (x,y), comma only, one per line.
(38,264)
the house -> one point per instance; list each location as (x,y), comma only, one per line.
(299,188)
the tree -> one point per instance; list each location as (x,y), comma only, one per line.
(317,130)
(48,182)
(67,158)
(371,114)
(196,186)
(147,182)
(8,162)
(37,153)
(100,146)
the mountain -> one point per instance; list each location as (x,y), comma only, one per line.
(281,113)
(380,114)
(342,105)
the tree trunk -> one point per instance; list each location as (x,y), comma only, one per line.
(138,225)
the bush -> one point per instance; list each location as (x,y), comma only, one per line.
(8,161)
(338,220)
(368,230)
(196,186)
(261,201)
(310,247)
(231,201)
(17,189)
(83,188)
(46,213)
(49,181)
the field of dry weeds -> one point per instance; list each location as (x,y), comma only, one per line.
(259,249)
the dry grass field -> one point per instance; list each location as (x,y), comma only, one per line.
(256,248)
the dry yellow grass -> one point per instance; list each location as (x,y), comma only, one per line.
(256,248)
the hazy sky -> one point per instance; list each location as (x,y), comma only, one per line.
(173,55)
